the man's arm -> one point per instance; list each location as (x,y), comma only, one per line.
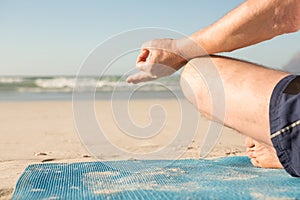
(252,22)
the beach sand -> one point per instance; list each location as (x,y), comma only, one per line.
(44,131)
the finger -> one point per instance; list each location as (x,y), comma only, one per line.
(143,56)
(139,77)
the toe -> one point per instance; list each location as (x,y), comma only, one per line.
(251,154)
(250,142)
(255,163)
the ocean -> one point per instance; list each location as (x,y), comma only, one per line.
(54,88)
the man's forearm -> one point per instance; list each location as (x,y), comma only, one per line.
(252,22)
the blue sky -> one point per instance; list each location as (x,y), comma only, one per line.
(54,37)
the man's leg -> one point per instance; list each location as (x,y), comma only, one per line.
(247,87)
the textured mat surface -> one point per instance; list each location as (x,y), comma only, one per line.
(226,178)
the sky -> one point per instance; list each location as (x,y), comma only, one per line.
(54,37)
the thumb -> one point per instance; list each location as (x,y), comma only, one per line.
(142,57)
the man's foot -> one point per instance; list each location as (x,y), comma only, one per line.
(262,155)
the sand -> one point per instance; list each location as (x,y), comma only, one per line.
(40,132)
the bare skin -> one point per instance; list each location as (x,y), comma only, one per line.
(247,86)
(240,28)
(262,155)
(247,110)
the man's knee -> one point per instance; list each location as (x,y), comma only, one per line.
(186,83)
(200,82)
(192,84)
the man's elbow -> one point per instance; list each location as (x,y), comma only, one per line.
(295,27)
(287,17)
(293,24)
(294,17)
(288,26)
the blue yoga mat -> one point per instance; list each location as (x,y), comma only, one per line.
(225,178)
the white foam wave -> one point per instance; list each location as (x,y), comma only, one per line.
(56,83)
(66,84)
(11,80)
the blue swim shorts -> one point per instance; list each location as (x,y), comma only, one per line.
(285,123)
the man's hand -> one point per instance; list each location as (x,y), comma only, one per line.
(158,58)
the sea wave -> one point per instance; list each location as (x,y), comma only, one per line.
(11,80)
(68,84)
